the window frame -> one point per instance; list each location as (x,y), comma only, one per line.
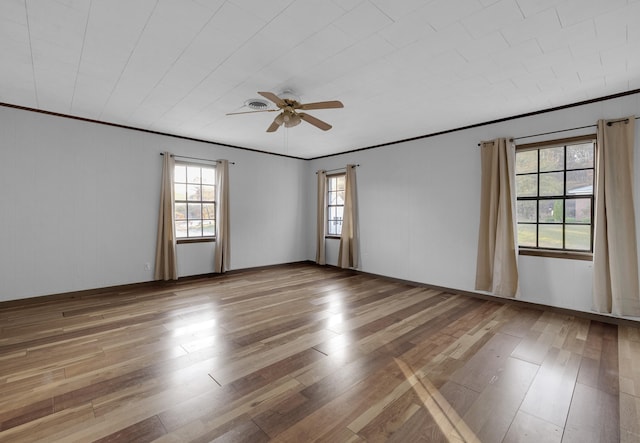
(560,252)
(203,238)
(329,205)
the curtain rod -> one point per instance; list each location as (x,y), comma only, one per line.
(625,120)
(491,141)
(567,130)
(196,158)
(338,169)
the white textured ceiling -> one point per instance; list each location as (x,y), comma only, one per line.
(402,68)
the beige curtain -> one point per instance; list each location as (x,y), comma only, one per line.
(615,261)
(166,267)
(348,255)
(223,232)
(497,264)
(321,217)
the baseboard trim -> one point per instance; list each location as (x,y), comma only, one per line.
(128,287)
(604,318)
(61,296)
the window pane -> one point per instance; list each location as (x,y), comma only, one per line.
(208,228)
(193,174)
(335,212)
(550,236)
(578,210)
(180,191)
(527,185)
(181,211)
(180,173)
(334,227)
(332,183)
(552,159)
(336,198)
(208,176)
(554,187)
(580,156)
(578,237)
(208,193)
(550,211)
(194,210)
(195,228)
(526,235)
(527,211)
(526,162)
(181,229)
(551,183)
(193,192)
(209,211)
(334,224)
(189,193)
(580,182)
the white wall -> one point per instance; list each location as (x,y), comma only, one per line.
(79,205)
(419,206)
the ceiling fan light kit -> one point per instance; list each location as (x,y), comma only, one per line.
(288,104)
(288,119)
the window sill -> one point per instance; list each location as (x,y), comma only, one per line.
(195,240)
(570,255)
(335,237)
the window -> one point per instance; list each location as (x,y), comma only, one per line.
(194,204)
(554,189)
(335,206)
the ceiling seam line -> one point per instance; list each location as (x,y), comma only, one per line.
(33,65)
(124,68)
(179,57)
(84,40)
(223,61)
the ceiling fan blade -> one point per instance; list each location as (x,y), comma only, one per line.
(274,98)
(251,112)
(275,124)
(315,121)
(322,105)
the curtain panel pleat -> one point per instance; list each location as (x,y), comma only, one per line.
(321,217)
(497,262)
(166,266)
(222,251)
(615,260)
(348,254)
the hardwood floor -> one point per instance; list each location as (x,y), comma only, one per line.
(298,353)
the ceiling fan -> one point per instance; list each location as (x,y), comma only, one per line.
(289,115)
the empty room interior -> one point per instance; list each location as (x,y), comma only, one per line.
(305,220)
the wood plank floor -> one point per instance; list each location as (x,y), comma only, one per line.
(298,353)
